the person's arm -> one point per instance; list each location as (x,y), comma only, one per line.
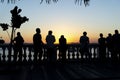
(54,38)
(88,41)
(22,39)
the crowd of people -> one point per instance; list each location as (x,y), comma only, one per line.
(38,46)
(108,45)
(112,42)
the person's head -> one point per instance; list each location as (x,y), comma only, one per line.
(101,35)
(18,34)
(116,31)
(38,30)
(109,34)
(84,33)
(62,36)
(50,32)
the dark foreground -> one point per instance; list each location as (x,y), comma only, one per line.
(75,68)
(61,71)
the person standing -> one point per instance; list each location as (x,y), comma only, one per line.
(18,43)
(102,47)
(62,47)
(51,50)
(109,45)
(37,43)
(84,41)
(116,44)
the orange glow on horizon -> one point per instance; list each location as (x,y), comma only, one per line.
(70,37)
(71,34)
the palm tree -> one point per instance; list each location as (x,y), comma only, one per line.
(86,2)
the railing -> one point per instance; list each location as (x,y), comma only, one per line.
(72,53)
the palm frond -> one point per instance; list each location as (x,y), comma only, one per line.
(9,1)
(85,2)
(48,1)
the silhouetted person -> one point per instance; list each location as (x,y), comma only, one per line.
(51,51)
(109,44)
(18,43)
(84,49)
(102,47)
(116,43)
(37,42)
(62,47)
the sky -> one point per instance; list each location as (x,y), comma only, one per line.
(64,18)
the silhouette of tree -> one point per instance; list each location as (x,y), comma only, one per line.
(16,21)
(10,1)
(86,2)
(5,26)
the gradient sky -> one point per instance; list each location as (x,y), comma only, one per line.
(64,18)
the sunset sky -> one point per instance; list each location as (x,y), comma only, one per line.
(64,18)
